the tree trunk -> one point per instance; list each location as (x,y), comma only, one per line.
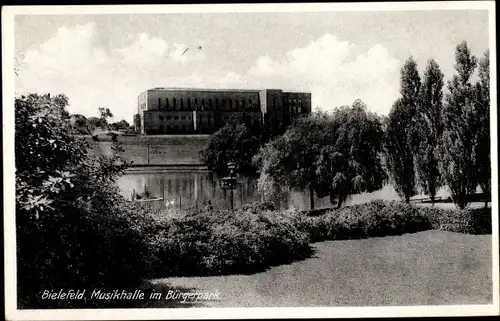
(311,196)
(461,202)
(432,190)
(332,198)
(339,204)
(407,198)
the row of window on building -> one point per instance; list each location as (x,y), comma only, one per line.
(183,117)
(185,128)
(226,104)
(200,117)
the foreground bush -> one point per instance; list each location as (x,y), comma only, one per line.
(73,229)
(222,242)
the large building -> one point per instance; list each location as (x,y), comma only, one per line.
(203,111)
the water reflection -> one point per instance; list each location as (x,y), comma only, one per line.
(189,189)
(193,189)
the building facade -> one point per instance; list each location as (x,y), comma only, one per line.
(203,111)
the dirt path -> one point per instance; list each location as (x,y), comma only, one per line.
(426,268)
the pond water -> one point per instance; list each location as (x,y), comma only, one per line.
(194,188)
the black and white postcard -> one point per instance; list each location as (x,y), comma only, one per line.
(250,161)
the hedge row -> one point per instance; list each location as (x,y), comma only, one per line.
(469,221)
(384,218)
(222,242)
(366,220)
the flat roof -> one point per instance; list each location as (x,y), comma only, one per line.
(221,90)
(204,89)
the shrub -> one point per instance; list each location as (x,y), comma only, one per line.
(376,218)
(220,242)
(73,229)
(384,218)
(470,221)
(258,207)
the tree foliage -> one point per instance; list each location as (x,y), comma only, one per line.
(289,161)
(352,163)
(460,129)
(429,127)
(410,83)
(402,135)
(105,113)
(333,155)
(122,124)
(87,126)
(231,143)
(399,151)
(483,159)
(74,230)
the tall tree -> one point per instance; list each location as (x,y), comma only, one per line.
(483,159)
(429,128)
(399,158)
(459,139)
(402,136)
(410,84)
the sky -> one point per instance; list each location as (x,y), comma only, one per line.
(108,60)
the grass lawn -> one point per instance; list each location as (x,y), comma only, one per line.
(425,268)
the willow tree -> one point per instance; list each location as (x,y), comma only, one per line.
(350,162)
(289,161)
(334,155)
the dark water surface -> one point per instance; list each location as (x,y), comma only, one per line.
(194,188)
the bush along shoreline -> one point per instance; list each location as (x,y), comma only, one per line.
(386,218)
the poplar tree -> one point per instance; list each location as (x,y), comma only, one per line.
(401,137)
(398,151)
(429,128)
(483,159)
(459,139)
